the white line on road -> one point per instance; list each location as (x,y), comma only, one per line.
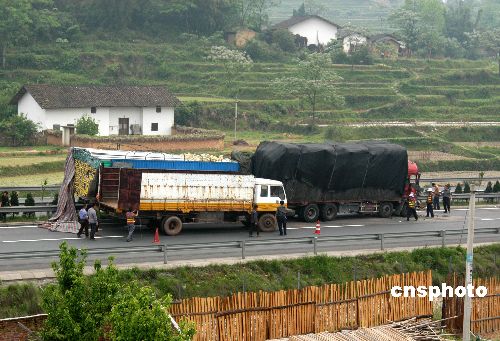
(490,219)
(477,208)
(16,226)
(54,239)
(313,227)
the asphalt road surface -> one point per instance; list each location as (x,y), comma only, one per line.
(28,238)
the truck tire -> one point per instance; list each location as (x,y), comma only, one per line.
(172,225)
(385,209)
(310,213)
(328,212)
(267,223)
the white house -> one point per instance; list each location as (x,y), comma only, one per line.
(316,29)
(351,41)
(119,110)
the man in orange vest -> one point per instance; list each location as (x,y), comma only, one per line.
(412,203)
(130,215)
(430,200)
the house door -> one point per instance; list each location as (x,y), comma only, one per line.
(123,126)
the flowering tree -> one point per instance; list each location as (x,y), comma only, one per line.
(234,63)
(313,81)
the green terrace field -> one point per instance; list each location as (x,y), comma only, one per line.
(402,90)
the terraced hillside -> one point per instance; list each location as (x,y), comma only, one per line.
(406,90)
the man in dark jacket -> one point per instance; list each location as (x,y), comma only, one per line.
(254,221)
(281,218)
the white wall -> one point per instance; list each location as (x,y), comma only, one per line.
(165,120)
(27,105)
(134,117)
(314,28)
(353,39)
(71,115)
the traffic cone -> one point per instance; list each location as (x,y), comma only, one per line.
(156,239)
(318,228)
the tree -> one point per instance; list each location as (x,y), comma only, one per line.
(86,125)
(14,200)
(466,187)
(458,189)
(284,39)
(139,315)
(19,129)
(496,188)
(30,201)
(489,188)
(458,20)
(261,8)
(234,63)
(15,24)
(313,81)
(490,40)
(300,12)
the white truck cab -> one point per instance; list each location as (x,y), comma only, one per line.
(268,194)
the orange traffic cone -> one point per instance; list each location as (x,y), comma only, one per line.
(156,239)
(318,228)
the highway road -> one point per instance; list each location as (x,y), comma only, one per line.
(27,238)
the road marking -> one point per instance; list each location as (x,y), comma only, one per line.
(313,227)
(54,239)
(16,226)
(477,208)
(489,219)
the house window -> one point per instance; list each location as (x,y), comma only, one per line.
(158,109)
(154,126)
(93,110)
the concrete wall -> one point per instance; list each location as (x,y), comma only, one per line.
(71,115)
(27,105)
(165,120)
(314,28)
(10,330)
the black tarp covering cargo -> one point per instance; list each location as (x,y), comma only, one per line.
(332,172)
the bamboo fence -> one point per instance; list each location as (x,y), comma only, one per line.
(263,315)
(485,316)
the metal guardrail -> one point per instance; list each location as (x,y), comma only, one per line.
(31,188)
(244,244)
(28,209)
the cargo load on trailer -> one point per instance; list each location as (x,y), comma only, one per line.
(170,190)
(322,179)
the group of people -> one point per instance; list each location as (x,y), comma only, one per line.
(432,201)
(87,217)
(281,218)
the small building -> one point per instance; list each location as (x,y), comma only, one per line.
(240,37)
(392,46)
(350,41)
(317,30)
(119,110)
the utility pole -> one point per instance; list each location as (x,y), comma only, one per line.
(235,116)
(468,263)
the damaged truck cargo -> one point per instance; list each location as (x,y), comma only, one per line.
(323,179)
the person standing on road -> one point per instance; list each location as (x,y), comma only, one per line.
(5,203)
(412,203)
(437,193)
(93,220)
(446,198)
(281,218)
(84,222)
(430,197)
(254,222)
(130,215)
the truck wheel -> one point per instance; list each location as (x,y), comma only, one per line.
(385,209)
(328,212)
(267,223)
(311,213)
(172,226)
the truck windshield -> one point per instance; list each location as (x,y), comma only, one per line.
(277,191)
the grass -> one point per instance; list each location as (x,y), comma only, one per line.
(31,148)
(222,280)
(52,178)
(31,160)
(37,168)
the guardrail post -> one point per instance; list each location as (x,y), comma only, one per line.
(381,237)
(243,247)
(443,238)
(165,260)
(315,241)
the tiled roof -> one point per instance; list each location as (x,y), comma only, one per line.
(295,20)
(75,96)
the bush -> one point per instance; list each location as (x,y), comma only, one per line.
(86,125)
(496,187)
(55,200)
(458,189)
(259,50)
(284,40)
(19,130)
(466,187)
(489,188)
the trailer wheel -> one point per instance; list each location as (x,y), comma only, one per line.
(385,209)
(172,225)
(328,212)
(267,223)
(310,213)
